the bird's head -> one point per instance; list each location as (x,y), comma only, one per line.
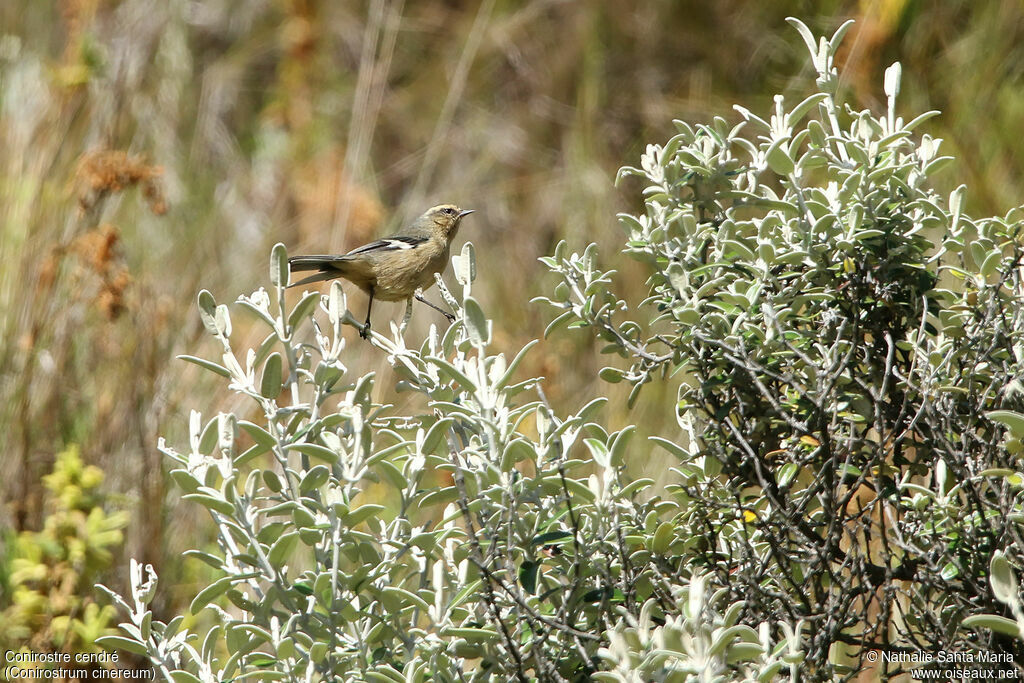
(444,218)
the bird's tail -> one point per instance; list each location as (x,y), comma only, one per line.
(326,265)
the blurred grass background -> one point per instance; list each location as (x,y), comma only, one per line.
(150,148)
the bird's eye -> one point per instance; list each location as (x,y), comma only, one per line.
(449,210)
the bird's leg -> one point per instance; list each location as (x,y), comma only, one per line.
(451,318)
(406,318)
(365,332)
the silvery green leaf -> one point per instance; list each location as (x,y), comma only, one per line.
(1003,580)
(315,450)
(279,273)
(208,437)
(270,386)
(115,643)
(805,33)
(465,264)
(336,303)
(994,622)
(892,80)
(227,429)
(510,370)
(208,311)
(314,479)
(611,375)
(778,158)
(799,111)
(840,32)
(599,451)
(302,309)
(918,120)
(208,364)
(477,325)
(211,503)
(620,445)
(282,549)
(222,321)
(272,481)
(1015,421)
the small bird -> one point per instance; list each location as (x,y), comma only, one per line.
(396,267)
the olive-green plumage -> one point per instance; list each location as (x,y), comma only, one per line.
(396,267)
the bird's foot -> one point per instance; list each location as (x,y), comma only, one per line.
(364,331)
(451,318)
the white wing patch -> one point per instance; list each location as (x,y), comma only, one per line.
(388,244)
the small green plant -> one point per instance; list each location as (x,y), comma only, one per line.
(51,572)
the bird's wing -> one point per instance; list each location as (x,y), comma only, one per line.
(389,244)
(313,261)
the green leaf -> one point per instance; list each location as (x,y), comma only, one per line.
(560,321)
(465,265)
(210,593)
(799,111)
(392,474)
(270,386)
(436,434)
(528,576)
(1015,421)
(1003,580)
(551,537)
(208,311)
(620,445)
(635,486)
(303,309)
(250,453)
(805,33)
(454,373)
(921,118)
(180,676)
(441,496)
(672,447)
(260,435)
(406,597)
(206,558)
(477,325)
(663,537)
(210,503)
(892,80)
(315,450)
(222,319)
(611,375)
(185,480)
(599,451)
(314,478)
(505,378)
(112,643)
(471,634)
(996,623)
(279,275)
(208,364)
(282,549)
(778,158)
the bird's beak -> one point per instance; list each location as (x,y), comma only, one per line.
(464,212)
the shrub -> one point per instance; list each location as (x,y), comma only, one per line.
(48,606)
(840,332)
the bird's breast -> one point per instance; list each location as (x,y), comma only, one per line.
(398,278)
